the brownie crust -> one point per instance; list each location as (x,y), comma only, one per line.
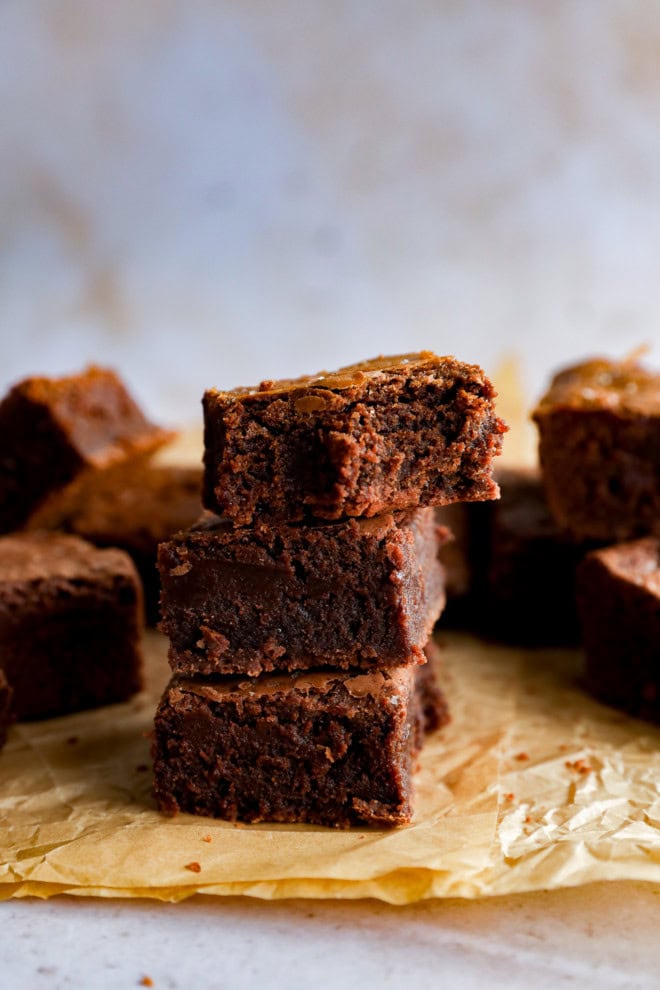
(70,622)
(619,606)
(392,433)
(322,748)
(360,593)
(599,432)
(54,431)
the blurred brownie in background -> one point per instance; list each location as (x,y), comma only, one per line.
(135,509)
(6,717)
(619,604)
(599,429)
(510,573)
(529,581)
(70,623)
(357,593)
(329,748)
(55,431)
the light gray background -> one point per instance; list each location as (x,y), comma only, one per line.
(208,193)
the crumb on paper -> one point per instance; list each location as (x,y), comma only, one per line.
(522,757)
(146,981)
(207,838)
(194,867)
(580,766)
(509,797)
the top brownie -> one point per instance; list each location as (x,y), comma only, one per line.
(392,433)
(599,428)
(55,430)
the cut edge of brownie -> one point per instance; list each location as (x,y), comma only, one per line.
(334,445)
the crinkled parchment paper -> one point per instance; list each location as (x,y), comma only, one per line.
(531,786)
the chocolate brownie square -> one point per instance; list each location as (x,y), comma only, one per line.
(326,748)
(55,430)
(392,433)
(619,605)
(70,622)
(463,557)
(135,510)
(530,571)
(599,428)
(362,592)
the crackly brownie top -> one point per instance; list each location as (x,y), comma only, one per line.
(95,409)
(377,369)
(39,556)
(637,561)
(386,684)
(622,387)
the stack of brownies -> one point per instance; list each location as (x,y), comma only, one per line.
(299,608)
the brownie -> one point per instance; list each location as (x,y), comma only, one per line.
(392,433)
(135,510)
(599,428)
(434,707)
(55,430)
(462,556)
(6,717)
(361,592)
(530,567)
(70,622)
(619,605)
(329,748)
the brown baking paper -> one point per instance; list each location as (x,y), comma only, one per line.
(531,786)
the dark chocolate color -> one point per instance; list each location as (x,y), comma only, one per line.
(362,593)
(510,572)
(619,604)
(599,429)
(54,431)
(6,717)
(530,568)
(325,748)
(393,433)
(70,622)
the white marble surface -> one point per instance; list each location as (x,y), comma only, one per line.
(213,192)
(603,936)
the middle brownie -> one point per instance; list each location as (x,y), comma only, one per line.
(361,593)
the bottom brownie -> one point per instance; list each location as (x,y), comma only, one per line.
(333,749)
(5,708)
(619,603)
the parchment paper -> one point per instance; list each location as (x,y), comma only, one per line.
(531,786)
